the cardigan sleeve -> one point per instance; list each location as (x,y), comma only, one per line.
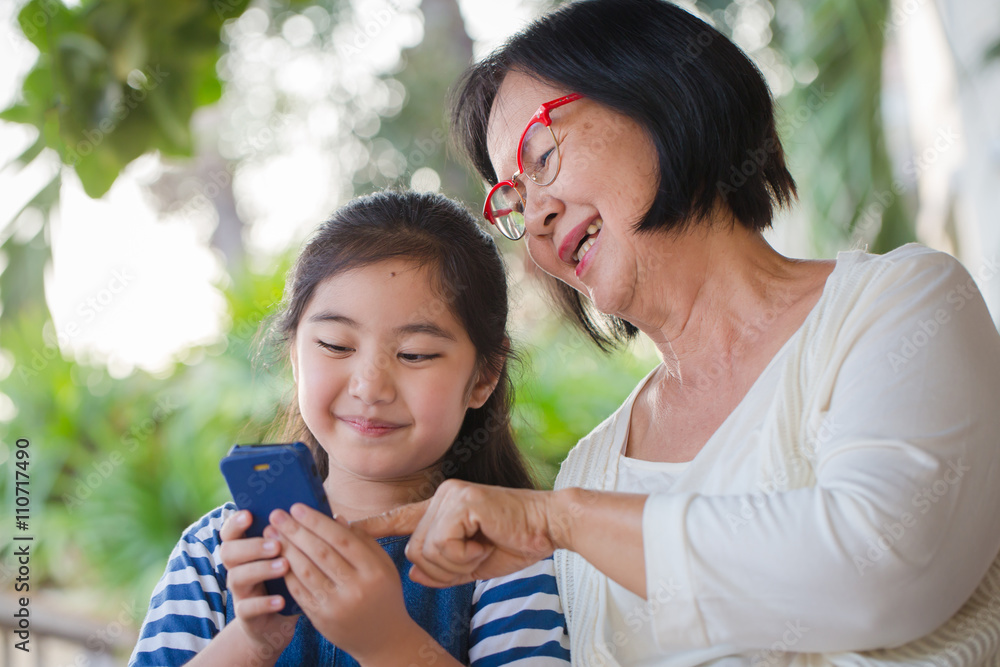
(902,523)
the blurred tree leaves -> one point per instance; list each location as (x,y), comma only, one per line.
(418,135)
(119,467)
(830,121)
(845,171)
(118,78)
(992,53)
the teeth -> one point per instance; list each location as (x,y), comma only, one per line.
(591,231)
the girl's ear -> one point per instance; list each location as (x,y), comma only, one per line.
(486,382)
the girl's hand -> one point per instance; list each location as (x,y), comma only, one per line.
(345,582)
(250,561)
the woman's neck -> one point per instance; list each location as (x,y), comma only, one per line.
(726,293)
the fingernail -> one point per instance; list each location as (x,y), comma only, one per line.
(275,603)
(270,545)
(298,510)
(277,564)
(278,517)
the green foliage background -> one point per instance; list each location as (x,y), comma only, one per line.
(119,467)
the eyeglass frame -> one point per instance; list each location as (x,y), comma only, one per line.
(542,116)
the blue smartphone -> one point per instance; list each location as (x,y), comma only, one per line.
(263,478)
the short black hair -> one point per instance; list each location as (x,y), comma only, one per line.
(702,102)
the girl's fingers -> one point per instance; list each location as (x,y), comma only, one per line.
(237,549)
(235,525)
(259,606)
(310,588)
(331,546)
(243,579)
(240,551)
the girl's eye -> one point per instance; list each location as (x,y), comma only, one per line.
(417,357)
(339,349)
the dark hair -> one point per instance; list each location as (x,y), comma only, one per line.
(701,101)
(469,274)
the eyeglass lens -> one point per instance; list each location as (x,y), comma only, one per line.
(508,211)
(540,158)
(540,154)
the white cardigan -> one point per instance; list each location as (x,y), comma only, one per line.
(851,502)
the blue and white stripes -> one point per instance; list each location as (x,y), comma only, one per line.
(518,620)
(515,619)
(188,606)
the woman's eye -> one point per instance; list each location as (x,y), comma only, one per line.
(538,164)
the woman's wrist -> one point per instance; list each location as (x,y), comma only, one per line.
(563,510)
(602,526)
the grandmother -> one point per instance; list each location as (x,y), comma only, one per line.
(812,474)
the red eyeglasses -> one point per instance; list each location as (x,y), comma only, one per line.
(538,158)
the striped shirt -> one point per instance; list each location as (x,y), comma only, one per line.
(512,620)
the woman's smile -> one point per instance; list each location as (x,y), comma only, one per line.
(579,240)
(585,254)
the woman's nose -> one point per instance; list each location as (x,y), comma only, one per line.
(372,381)
(541,208)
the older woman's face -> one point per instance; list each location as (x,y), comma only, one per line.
(608,179)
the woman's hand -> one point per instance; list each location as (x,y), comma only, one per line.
(471,531)
(346,584)
(250,561)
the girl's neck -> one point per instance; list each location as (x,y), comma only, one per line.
(355,498)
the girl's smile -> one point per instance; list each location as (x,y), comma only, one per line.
(370,427)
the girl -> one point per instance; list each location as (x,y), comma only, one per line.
(394,322)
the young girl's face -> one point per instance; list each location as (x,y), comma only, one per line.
(384,370)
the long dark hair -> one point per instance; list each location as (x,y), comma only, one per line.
(700,99)
(469,274)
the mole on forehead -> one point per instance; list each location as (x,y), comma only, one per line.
(390,268)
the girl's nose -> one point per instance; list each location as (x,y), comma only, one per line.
(372,382)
